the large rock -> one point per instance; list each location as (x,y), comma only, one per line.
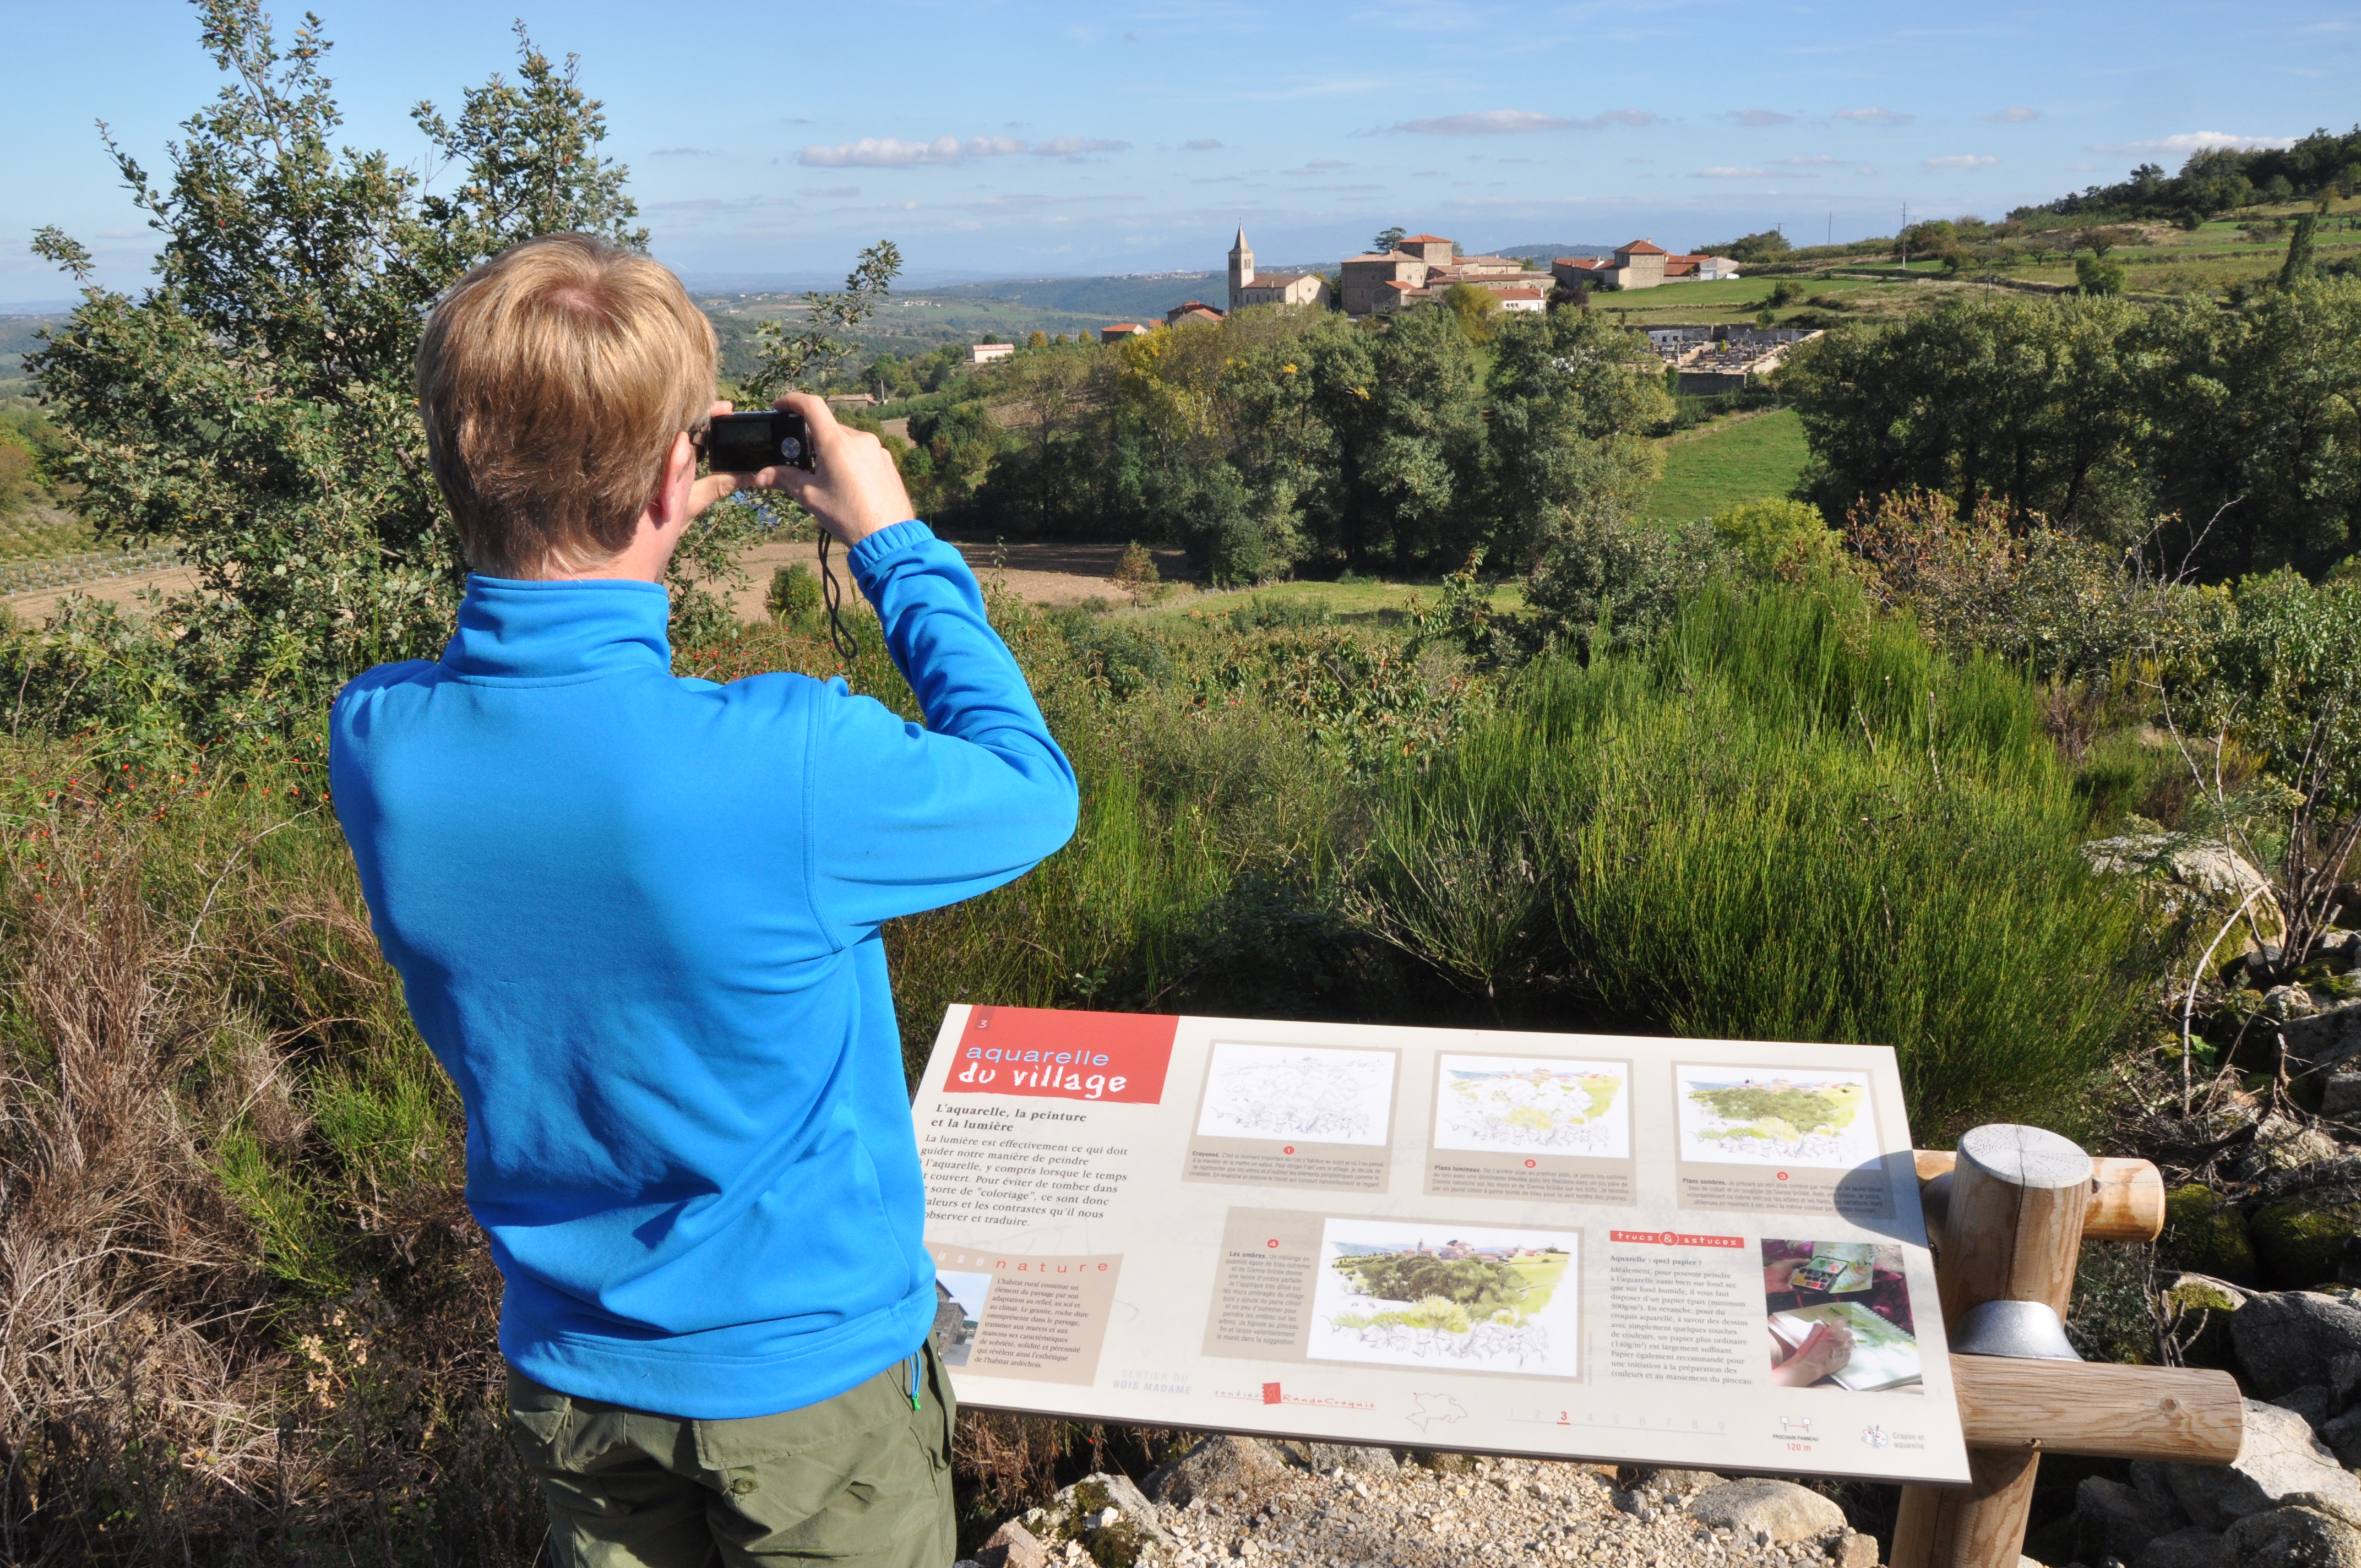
(1664,1480)
(1325,1457)
(2183,1548)
(1757,1508)
(2206,1232)
(2301,1241)
(2292,1538)
(2325,1038)
(2279,1459)
(2112,1520)
(2311,1402)
(2195,878)
(2288,1338)
(1215,1468)
(2342,1436)
(1014,1546)
(2281,1145)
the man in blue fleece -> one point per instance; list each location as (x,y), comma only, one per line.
(636,918)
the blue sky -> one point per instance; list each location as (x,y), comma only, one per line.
(1027,139)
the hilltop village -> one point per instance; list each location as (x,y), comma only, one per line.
(1422,267)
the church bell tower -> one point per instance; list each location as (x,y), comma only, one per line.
(1241,266)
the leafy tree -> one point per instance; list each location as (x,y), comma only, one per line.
(2298,266)
(1757,249)
(1388,238)
(1571,399)
(254,403)
(1039,339)
(1478,309)
(2035,402)
(2097,277)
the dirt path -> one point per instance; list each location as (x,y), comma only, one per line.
(1047,573)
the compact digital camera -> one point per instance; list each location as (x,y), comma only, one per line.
(747,444)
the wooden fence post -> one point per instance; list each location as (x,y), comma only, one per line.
(2013,1232)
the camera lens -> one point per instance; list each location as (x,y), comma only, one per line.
(790,448)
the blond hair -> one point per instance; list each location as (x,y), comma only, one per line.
(553,379)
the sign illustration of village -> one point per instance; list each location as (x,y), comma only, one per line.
(1473,1299)
(1533,1105)
(1805,1116)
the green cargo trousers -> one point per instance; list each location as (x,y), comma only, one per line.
(861,1479)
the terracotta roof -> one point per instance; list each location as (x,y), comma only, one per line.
(1424,239)
(1588,263)
(1526,292)
(1641,247)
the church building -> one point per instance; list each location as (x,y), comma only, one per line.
(1248,288)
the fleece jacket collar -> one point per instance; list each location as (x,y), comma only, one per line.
(513,630)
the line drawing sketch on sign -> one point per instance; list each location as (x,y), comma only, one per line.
(1318,1094)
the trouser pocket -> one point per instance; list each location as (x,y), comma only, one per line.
(539,1419)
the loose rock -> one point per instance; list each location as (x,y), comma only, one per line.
(2302,1240)
(2292,1538)
(1216,1467)
(2279,1459)
(2208,1234)
(2112,1520)
(1014,1546)
(2184,1549)
(2287,1338)
(1759,1507)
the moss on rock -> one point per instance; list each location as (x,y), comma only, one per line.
(2299,1240)
(2206,1232)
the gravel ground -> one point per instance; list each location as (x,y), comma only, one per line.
(1501,1511)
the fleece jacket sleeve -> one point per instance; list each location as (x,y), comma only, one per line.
(906,817)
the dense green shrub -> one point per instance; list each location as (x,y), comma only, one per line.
(1786,820)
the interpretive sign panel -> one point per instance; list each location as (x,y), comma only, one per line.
(1704,1253)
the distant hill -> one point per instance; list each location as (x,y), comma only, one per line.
(1117,299)
(1547,251)
(16,340)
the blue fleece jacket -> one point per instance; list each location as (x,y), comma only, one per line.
(636,917)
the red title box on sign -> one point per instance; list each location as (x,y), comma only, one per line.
(1058,1054)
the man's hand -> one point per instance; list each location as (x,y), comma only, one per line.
(854,488)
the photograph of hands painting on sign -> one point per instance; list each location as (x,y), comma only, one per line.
(1840,1316)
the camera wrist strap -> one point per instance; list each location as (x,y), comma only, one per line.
(834,597)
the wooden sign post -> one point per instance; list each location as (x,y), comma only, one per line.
(2010,1212)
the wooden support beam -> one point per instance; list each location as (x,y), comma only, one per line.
(2011,1231)
(2126,1196)
(2099,1408)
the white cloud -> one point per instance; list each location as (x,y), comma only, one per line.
(679,152)
(1761,117)
(1200,143)
(1804,163)
(1875,116)
(1959,161)
(2190,141)
(1512,122)
(890,152)
(1729,173)
(2015,115)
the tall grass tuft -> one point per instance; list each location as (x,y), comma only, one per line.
(1786,820)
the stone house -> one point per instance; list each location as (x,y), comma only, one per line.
(985,353)
(1120,331)
(1194,311)
(1639,264)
